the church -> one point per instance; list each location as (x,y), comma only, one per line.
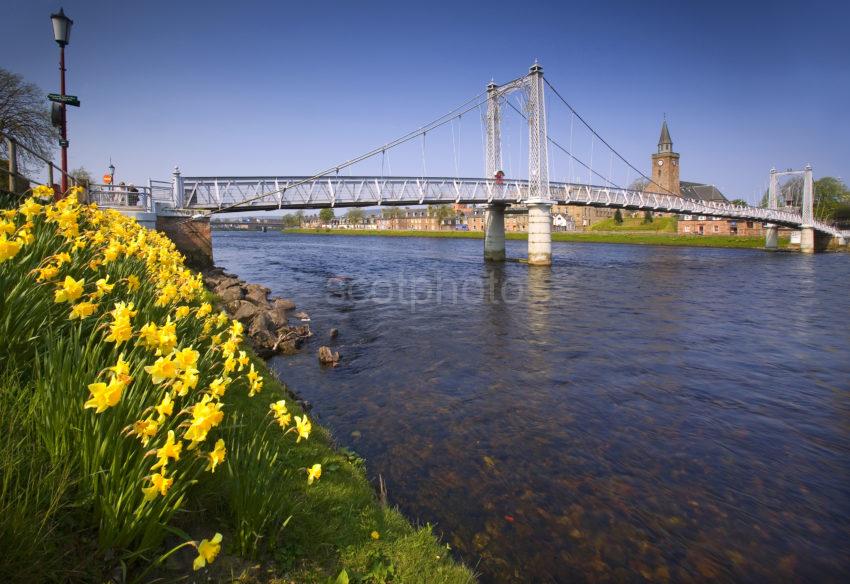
(665,175)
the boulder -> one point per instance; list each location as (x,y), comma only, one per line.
(283,304)
(278,317)
(264,343)
(226,283)
(246,311)
(328,357)
(257,294)
(230,294)
(301,315)
(334,333)
(261,323)
(289,347)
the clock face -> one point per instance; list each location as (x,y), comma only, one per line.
(660,163)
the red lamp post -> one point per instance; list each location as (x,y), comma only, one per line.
(62,35)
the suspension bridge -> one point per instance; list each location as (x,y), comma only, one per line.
(201,196)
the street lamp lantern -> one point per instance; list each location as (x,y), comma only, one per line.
(61,27)
(62,35)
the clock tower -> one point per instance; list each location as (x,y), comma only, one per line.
(665,166)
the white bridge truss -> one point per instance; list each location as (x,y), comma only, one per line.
(229,193)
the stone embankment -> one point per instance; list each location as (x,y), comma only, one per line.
(266,319)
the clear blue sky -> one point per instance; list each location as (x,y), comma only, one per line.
(292,87)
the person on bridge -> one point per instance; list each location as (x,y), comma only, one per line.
(500,177)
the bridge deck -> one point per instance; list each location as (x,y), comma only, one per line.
(239,194)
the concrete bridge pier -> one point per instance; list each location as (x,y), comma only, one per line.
(494,232)
(191,236)
(540,234)
(812,241)
(771,237)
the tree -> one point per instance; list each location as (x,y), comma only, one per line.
(25,117)
(638,184)
(740,202)
(441,212)
(618,217)
(292,220)
(326,215)
(647,217)
(355,215)
(394,214)
(82,176)
(830,194)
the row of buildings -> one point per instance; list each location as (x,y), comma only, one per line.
(664,179)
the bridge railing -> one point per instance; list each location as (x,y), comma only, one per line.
(242,193)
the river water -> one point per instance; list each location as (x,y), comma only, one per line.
(631,414)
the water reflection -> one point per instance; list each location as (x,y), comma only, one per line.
(630,414)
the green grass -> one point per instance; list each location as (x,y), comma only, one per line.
(650,238)
(659,224)
(323,528)
(389,233)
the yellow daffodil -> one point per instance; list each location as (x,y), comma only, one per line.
(30,208)
(47,273)
(303,427)
(9,248)
(187,381)
(82,310)
(217,455)
(133,283)
(281,414)
(218,386)
(145,430)
(375,535)
(159,485)
(120,331)
(42,192)
(163,368)
(103,287)
(167,337)
(165,407)
(243,359)
(205,416)
(70,290)
(187,357)
(171,449)
(149,335)
(105,396)
(208,550)
(203,310)
(121,369)
(313,473)
(181,312)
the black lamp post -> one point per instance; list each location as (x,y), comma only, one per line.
(62,34)
(112,174)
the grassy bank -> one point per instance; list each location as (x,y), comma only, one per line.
(143,440)
(658,225)
(670,239)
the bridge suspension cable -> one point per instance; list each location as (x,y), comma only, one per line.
(458,111)
(601,139)
(558,145)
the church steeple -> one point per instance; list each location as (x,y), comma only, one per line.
(665,143)
(665,165)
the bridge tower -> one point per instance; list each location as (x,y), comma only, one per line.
(538,199)
(771,231)
(494,216)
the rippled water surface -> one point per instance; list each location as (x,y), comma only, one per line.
(631,414)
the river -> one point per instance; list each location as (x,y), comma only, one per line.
(634,413)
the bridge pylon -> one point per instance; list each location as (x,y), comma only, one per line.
(537,196)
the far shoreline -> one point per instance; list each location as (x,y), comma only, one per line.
(627,238)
